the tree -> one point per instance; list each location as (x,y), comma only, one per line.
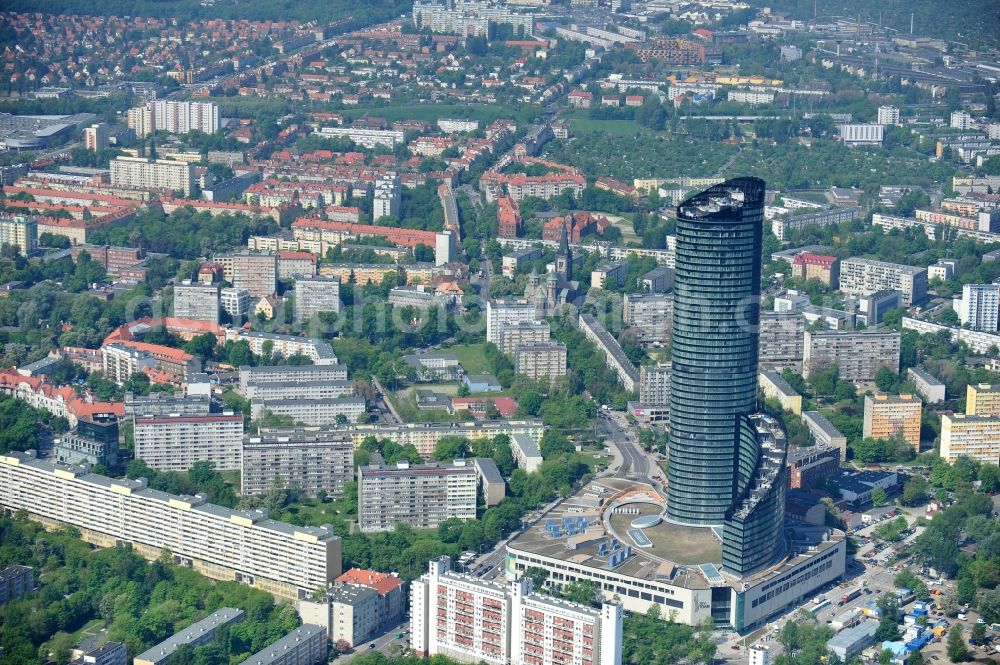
(978,635)
(886,379)
(538,576)
(888,623)
(989,605)
(957,650)
(879,497)
(989,476)
(915,490)
(584,592)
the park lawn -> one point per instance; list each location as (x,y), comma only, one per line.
(592,459)
(472,357)
(310,512)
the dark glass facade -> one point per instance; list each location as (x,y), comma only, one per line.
(713,381)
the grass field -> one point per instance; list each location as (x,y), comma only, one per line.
(581,123)
(472,357)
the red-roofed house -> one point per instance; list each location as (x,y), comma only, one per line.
(59,401)
(508,217)
(479,407)
(817,266)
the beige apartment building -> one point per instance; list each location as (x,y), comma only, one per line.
(977,437)
(983,399)
(144,173)
(222,544)
(541,360)
(420,495)
(887,416)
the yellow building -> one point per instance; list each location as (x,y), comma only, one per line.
(775,387)
(887,416)
(267,307)
(977,437)
(982,399)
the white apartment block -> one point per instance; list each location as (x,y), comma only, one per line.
(857,354)
(473,621)
(316,294)
(862,134)
(500,313)
(235,302)
(388,197)
(888,115)
(174,117)
(120,362)
(517,333)
(654,385)
(449,125)
(194,635)
(977,437)
(197,301)
(526,453)
(928,386)
(368,138)
(222,544)
(253,378)
(420,495)
(313,460)
(783,225)
(306,645)
(979,341)
(862,277)
(649,315)
(143,173)
(751,97)
(611,275)
(614,357)
(327,411)
(317,350)
(425,436)
(297,389)
(960,120)
(541,360)
(979,307)
(175,443)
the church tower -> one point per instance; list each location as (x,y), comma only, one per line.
(564,258)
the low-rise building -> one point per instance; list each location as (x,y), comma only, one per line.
(928,386)
(16,582)
(526,453)
(491,484)
(888,416)
(513,262)
(94,441)
(658,280)
(826,269)
(810,465)
(824,433)
(872,308)
(314,460)
(198,633)
(259,375)
(361,605)
(175,443)
(420,495)
(306,645)
(775,387)
(611,275)
(235,302)
(851,642)
(109,653)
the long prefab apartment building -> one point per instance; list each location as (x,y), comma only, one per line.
(223,544)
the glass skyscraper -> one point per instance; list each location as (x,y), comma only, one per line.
(726,464)
(714,345)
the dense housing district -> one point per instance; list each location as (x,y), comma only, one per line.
(519,332)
